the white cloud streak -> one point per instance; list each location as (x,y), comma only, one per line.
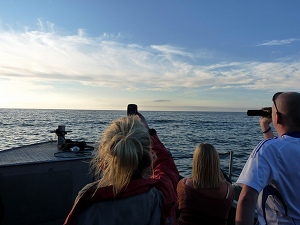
(46,56)
(279,42)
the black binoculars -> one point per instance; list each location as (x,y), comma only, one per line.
(266,112)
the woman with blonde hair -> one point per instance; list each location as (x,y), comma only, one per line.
(136,179)
(206,197)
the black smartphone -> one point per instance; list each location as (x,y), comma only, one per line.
(131,109)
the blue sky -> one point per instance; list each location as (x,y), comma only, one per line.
(161,55)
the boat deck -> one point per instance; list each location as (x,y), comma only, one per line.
(39,183)
(39,153)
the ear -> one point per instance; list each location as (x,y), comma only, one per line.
(278,118)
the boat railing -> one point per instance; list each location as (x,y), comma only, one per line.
(230,174)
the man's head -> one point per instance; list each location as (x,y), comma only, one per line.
(286,112)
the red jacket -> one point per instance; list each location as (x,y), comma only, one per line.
(165,179)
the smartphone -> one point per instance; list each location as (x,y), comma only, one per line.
(131,109)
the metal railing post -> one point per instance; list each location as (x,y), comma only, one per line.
(230,164)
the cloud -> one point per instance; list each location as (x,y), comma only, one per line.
(167,50)
(162,100)
(279,42)
(260,76)
(46,56)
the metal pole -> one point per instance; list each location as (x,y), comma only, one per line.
(61,136)
(230,164)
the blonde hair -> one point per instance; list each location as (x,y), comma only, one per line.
(206,167)
(124,153)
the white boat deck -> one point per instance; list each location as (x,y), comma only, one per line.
(38,153)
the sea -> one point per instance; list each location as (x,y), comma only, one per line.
(179,131)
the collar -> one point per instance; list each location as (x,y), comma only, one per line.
(293,134)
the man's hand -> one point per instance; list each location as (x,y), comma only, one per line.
(265,126)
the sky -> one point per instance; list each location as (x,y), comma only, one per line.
(162,55)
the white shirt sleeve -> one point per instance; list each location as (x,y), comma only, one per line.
(257,172)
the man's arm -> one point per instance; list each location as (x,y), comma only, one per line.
(246,206)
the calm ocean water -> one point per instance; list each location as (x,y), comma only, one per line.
(180,132)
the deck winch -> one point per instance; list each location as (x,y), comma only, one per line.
(60,132)
(67,145)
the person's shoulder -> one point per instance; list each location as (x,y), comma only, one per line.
(182,181)
(182,184)
(264,146)
(229,190)
(226,185)
(90,186)
(230,187)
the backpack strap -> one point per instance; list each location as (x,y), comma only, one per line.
(270,190)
